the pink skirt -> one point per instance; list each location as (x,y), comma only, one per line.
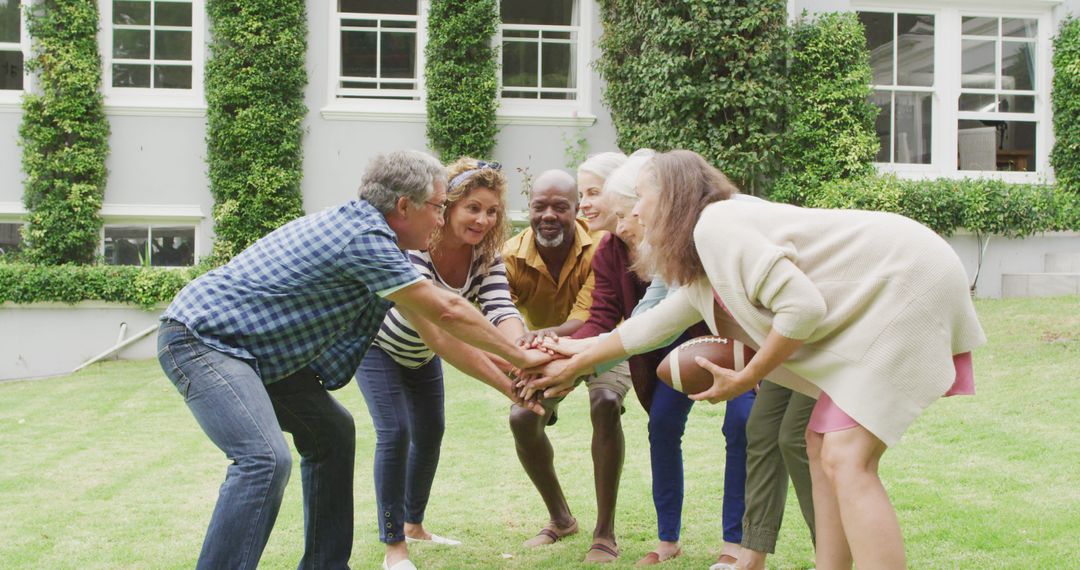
(828,417)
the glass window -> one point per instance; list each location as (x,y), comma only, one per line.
(165,246)
(10,237)
(998,63)
(902,60)
(11,49)
(380,51)
(539,49)
(152,44)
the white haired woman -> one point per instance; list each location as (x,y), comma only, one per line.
(591,176)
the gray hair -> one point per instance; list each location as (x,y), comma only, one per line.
(407,173)
(621,182)
(602,164)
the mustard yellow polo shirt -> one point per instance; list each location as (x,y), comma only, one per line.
(543,300)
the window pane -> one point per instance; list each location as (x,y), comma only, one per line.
(172,45)
(1019,28)
(131,13)
(562,96)
(912,127)
(550,12)
(172,76)
(973,26)
(10,238)
(403,25)
(9,21)
(996,145)
(883,125)
(879,40)
(131,44)
(125,245)
(915,50)
(519,64)
(1018,103)
(521,34)
(378,6)
(1017,65)
(172,247)
(128,75)
(11,70)
(172,13)
(398,55)
(358,54)
(978,102)
(977,64)
(558,62)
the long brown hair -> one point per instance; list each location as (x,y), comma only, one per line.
(491,177)
(686,184)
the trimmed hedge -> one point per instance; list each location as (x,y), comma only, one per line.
(830,132)
(143,286)
(1065,156)
(705,75)
(64,134)
(979,205)
(461,77)
(255,79)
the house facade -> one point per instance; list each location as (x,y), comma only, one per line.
(963,87)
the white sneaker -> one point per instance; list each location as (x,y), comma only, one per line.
(435,539)
(402,565)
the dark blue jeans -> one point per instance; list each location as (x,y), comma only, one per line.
(406,406)
(667,423)
(245,419)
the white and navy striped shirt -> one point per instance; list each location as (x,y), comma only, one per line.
(485,286)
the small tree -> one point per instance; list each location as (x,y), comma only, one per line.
(462,86)
(1065,98)
(64,134)
(830,132)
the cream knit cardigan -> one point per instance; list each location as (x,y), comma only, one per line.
(881,302)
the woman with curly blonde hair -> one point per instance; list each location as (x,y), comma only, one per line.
(401,376)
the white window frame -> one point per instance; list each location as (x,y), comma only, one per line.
(375,106)
(11,99)
(553,111)
(153,216)
(948,16)
(155,101)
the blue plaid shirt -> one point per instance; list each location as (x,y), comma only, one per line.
(307,294)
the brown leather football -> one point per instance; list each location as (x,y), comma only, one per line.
(679,370)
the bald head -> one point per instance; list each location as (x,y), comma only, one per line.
(553,205)
(556,181)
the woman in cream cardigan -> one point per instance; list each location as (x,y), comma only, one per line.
(870,310)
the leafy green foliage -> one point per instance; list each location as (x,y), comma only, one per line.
(462,86)
(705,75)
(1065,98)
(64,134)
(978,205)
(255,79)
(830,132)
(143,286)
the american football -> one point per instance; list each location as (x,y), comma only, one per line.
(679,370)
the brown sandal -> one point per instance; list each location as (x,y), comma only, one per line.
(551,534)
(601,554)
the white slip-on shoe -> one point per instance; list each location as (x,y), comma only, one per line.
(436,539)
(402,565)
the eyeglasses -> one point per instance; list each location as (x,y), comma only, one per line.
(440,207)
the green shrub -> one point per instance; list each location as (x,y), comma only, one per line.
(705,75)
(64,134)
(1065,157)
(460,73)
(830,133)
(978,205)
(143,286)
(255,79)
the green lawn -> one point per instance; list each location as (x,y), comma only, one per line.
(107,469)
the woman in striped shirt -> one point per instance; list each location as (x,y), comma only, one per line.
(401,377)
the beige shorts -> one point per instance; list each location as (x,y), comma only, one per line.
(616,380)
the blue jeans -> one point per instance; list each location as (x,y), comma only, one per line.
(667,423)
(406,406)
(245,419)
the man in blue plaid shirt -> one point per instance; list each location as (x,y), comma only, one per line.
(254,345)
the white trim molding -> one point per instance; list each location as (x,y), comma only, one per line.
(154,213)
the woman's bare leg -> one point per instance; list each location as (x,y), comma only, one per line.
(831,550)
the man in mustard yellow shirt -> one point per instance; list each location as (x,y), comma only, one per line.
(549,268)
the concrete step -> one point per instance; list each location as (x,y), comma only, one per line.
(1039,284)
(1062,262)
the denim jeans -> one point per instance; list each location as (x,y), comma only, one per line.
(406,406)
(245,419)
(667,423)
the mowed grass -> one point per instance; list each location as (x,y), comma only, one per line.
(107,469)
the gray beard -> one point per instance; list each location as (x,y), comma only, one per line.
(553,242)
